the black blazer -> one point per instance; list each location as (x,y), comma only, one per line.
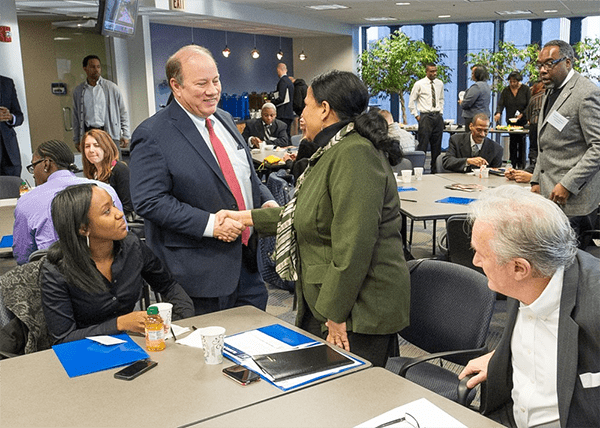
(8,99)
(255,128)
(459,150)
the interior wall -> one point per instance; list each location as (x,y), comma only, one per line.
(239,73)
(54,55)
(323,54)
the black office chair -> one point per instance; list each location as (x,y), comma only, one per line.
(9,186)
(402,165)
(458,240)
(451,308)
(417,158)
(439,164)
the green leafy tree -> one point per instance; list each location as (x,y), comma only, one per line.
(393,64)
(507,59)
(588,58)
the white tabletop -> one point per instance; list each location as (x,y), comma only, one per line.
(260,155)
(36,391)
(344,402)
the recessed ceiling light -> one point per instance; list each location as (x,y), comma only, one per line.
(514,12)
(551,11)
(381,18)
(327,7)
(402,4)
(443,16)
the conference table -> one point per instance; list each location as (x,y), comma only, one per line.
(37,392)
(345,402)
(420,204)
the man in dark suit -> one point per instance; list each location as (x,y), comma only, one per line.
(545,372)
(189,161)
(468,150)
(267,129)
(567,170)
(284,98)
(10,116)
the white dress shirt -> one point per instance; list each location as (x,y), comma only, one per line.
(534,348)
(94,104)
(420,100)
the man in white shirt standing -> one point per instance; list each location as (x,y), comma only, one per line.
(98,104)
(545,372)
(426,104)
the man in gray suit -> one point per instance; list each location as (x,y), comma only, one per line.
(568,162)
(545,371)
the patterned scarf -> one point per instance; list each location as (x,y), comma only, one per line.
(286,245)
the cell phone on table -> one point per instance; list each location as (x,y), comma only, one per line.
(241,374)
(135,369)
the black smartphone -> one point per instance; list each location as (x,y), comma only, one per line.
(135,369)
(241,374)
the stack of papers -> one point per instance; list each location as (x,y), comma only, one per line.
(269,350)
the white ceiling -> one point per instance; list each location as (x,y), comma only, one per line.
(293,18)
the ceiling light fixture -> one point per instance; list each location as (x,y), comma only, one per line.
(226,52)
(255,53)
(514,12)
(443,16)
(302,55)
(327,7)
(402,4)
(280,53)
(551,11)
(380,18)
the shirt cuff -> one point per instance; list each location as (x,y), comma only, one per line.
(14,121)
(210,227)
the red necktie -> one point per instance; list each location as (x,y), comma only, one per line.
(229,173)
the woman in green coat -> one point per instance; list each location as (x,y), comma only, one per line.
(339,237)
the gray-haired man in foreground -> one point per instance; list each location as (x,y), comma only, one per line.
(545,371)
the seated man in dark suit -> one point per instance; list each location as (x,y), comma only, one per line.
(266,129)
(472,150)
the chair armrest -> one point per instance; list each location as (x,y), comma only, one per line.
(463,390)
(414,361)
(5,354)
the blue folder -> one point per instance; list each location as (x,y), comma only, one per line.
(406,189)
(86,356)
(456,200)
(7,241)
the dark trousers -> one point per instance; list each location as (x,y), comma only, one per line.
(251,291)
(431,129)
(289,123)
(518,148)
(533,147)
(375,348)
(581,225)
(6,166)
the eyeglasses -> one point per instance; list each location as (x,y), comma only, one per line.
(400,420)
(31,167)
(549,65)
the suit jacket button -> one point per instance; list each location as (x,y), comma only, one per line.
(234,206)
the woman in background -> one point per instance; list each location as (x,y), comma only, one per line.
(515,98)
(477,98)
(101,162)
(93,276)
(339,237)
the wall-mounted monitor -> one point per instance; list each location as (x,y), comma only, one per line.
(117,18)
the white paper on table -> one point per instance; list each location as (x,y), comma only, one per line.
(255,342)
(106,340)
(426,413)
(177,330)
(194,340)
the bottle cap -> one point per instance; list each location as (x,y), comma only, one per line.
(152,310)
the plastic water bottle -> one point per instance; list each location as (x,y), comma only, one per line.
(24,188)
(508,165)
(155,332)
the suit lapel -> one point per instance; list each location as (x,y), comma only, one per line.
(564,95)
(568,331)
(230,126)
(188,129)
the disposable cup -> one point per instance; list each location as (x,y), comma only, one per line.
(212,342)
(165,310)
(477,172)
(262,146)
(485,173)
(419,173)
(406,173)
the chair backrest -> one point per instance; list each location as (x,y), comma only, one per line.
(296,139)
(439,166)
(451,307)
(9,186)
(458,233)
(404,164)
(417,158)
(37,255)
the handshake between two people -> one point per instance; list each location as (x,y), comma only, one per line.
(230,224)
